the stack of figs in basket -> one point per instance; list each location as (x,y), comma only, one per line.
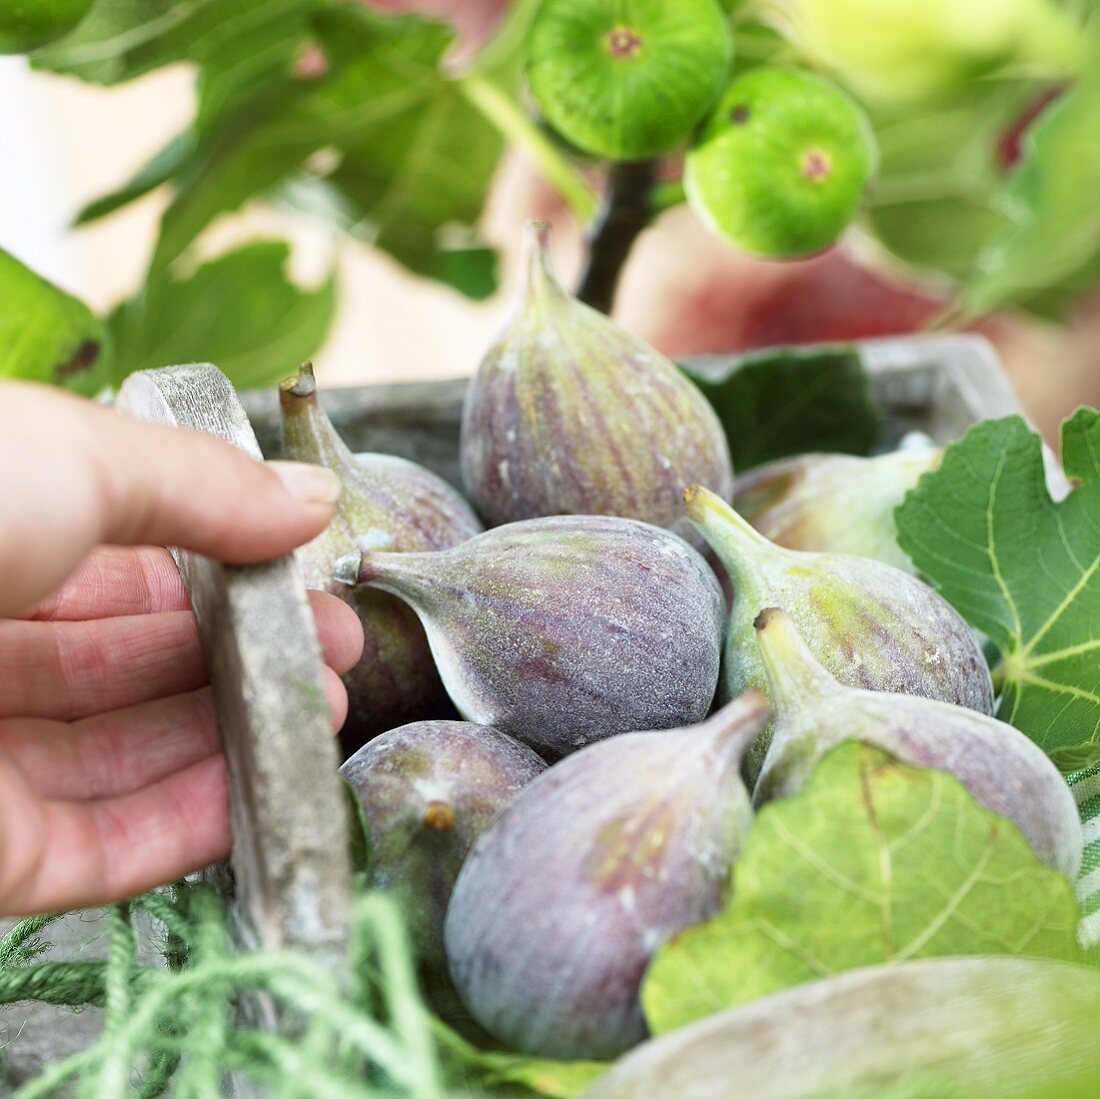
(624,715)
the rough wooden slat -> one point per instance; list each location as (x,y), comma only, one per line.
(936,384)
(290,865)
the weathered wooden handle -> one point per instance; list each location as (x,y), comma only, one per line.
(290,864)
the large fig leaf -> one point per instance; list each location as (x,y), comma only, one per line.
(48,336)
(787,401)
(240,312)
(1052,203)
(874,861)
(939,169)
(1021,568)
(236,43)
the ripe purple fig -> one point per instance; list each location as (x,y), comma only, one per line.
(568,414)
(871,625)
(565,630)
(834,503)
(1009,774)
(386,503)
(428,790)
(567,895)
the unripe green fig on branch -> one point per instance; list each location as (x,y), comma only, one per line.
(783,163)
(627,79)
(568,414)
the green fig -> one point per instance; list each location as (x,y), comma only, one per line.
(627,79)
(871,625)
(387,503)
(782,166)
(570,415)
(429,789)
(834,503)
(567,895)
(565,630)
(1008,773)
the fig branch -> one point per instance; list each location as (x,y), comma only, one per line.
(627,210)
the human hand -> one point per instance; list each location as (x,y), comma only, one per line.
(112,778)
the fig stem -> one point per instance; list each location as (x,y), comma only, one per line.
(740,722)
(626,211)
(732,537)
(538,261)
(308,435)
(794,675)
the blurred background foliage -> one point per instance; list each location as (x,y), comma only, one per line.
(987,197)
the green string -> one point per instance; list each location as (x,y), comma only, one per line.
(171,1029)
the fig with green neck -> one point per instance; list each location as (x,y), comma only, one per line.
(567,895)
(565,630)
(834,503)
(391,504)
(428,790)
(569,414)
(871,625)
(1009,774)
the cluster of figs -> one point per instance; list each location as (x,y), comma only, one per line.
(624,718)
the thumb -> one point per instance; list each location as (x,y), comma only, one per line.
(89,476)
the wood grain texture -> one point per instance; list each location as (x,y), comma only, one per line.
(289,860)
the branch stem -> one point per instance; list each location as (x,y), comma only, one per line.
(627,210)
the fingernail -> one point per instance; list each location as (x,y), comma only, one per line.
(310,484)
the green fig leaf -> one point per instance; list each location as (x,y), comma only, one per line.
(1052,202)
(239,311)
(302,89)
(786,401)
(48,336)
(151,175)
(1019,567)
(1079,757)
(874,861)
(236,43)
(939,167)
(558,1079)
(412,158)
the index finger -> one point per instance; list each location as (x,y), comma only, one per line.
(115,582)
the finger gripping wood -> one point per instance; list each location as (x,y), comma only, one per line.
(292,879)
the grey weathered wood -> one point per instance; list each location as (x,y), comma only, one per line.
(994,1026)
(292,879)
(936,384)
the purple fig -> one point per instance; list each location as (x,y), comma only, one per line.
(1009,774)
(570,415)
(386,503)
(429,789)
(565,630)
(834,503)
(567,895)
(871,625)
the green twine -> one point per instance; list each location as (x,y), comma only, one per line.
(172,1029)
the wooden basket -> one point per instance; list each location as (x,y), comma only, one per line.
(289,880)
